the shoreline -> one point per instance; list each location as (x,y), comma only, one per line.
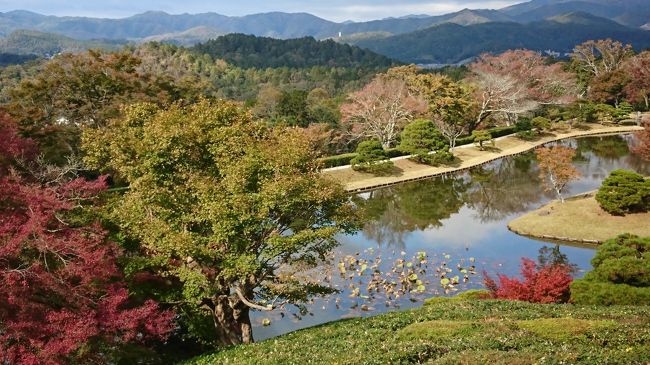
(470,156)
(556,221)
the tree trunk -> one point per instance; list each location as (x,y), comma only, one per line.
(232,321)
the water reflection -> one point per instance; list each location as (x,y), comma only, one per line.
(461,216)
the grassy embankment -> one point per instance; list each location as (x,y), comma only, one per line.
(466,157)
(463,330)
(579,219)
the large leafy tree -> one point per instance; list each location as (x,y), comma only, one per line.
(381,109)
(637,90)
(236,212)
(447,100)
(518,81)
(62,299)
(81,90)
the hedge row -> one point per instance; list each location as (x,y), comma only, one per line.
(344,159)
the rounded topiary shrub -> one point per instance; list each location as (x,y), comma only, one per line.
(624,192)
(620,274)
(481,137)
(541,123)
(422,137)
(371,157)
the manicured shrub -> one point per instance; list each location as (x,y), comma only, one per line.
(623,111)
(624,192)
(421,137)
(598,293)
(546,284)
(482,136)
(541,123)
(371,158)
(620,274)
(524,129)
(338,160)
(604,112)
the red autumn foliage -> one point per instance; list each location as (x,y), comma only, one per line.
(642,147)
(60,288)
(548,284)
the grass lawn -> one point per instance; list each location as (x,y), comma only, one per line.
(579,218)
(463,331)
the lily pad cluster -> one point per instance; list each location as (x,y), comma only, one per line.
(371,278)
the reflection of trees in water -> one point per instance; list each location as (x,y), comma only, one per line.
(395,211)
(607,148)
(603,154)
(495,191)
(506,187)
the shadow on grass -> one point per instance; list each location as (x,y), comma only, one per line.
(392,171)
(492,149)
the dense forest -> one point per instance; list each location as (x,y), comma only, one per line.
(248,51)
(7,59)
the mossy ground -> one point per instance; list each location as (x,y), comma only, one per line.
(463,331)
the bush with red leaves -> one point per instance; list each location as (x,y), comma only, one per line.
(546,284)
(62,298)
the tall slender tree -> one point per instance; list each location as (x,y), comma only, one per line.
(555,165)
(381,109)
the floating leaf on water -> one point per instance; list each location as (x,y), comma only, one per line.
(471,259)
(413,277)
(463,271)
(444,281)
(266,322)
(447,257)
(409,264)
(455,279)
(421,288)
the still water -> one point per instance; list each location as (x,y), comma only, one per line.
(452,227)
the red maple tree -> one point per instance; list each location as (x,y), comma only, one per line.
(61,293)
(547,284)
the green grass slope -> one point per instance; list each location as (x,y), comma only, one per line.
(463,331)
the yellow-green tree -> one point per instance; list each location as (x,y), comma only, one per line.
(233,211)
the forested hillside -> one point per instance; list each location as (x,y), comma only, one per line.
(451,43)
(14,59)
(29,42)
(257,52)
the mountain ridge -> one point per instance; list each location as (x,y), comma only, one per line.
(295,25)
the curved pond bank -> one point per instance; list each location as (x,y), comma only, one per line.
(469,156)
(579,219)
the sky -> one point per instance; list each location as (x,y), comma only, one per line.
(336,10)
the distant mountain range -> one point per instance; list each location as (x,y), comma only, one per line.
(453,43)
(537,24)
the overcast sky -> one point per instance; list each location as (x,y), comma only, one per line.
(337,10)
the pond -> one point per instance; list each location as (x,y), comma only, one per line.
(437,236)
